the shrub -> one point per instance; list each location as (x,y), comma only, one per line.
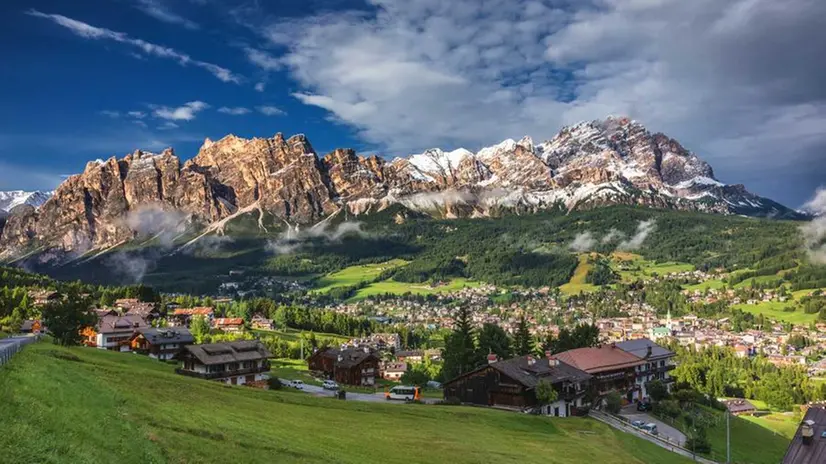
(613,402)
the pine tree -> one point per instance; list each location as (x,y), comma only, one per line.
(522,341)
(460,354)
(493,339)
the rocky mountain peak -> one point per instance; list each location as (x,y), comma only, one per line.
(585,165)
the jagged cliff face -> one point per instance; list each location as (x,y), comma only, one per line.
(615,161)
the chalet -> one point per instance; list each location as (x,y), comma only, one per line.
(228,324)
(352,366)
(414,356)
(739,407)
(40,298)
(234,363)
(31,326)
(809,445)
(612,368)
(135,307)
(261,323)
(163,344)
(659,362)
(393,371)
(512,384)
(113,332)
(181,317)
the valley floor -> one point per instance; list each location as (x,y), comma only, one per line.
(84,405)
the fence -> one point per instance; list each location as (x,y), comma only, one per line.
(10,346)
(623,424)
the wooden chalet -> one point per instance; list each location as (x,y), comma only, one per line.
(393,371)
(612,368)
(228,324)
(411,356)
(512,384)
(42,297)
(182,317)
(135,307)
(659,362)
(235,363)
(352,366)
(113,332)
(163,344)
(261,323)
(32,326)
(740,407)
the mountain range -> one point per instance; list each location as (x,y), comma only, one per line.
(14,198)
(587,165)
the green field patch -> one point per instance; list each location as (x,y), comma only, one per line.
(577,284)
(125,408)
(294,335)
(775,310)
(713,284)
(780,423)
(423,288)
(354,275)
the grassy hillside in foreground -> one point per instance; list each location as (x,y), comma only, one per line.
(90,406)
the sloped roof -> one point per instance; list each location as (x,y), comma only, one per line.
(529,375)
(221,353)
(202,311)
(739,405)
(639,348)
(114,323)
(164,336)
(349,357)
(229,321)
(599,359)
(815,452)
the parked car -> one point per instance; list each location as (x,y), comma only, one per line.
(651,428)
(643,406)
(638,424)
(299,384)
(329,385)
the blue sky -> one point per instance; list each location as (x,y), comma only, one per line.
(739,82)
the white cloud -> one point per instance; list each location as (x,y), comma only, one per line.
(268,110)
(644,229)
(137,114)
(736,81)
(159,11)
(186,112)
(236,111)
(88,31)
(263,59)
(259,87)
(168,125)
(814,232)
(110,113)
(584,241)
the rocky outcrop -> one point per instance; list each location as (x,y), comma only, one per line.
(591,164)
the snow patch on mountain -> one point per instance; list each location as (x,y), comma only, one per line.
(10,199)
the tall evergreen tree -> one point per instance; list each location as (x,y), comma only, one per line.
(493,339)
(460,353)
(522,340)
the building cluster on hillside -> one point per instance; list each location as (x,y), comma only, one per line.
(627,368)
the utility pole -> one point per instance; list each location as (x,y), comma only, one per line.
(302,347)
(728,436)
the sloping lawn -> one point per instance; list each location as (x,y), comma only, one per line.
(83,405)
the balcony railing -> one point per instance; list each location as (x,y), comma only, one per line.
(224,374)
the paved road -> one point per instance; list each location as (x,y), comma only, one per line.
(630,412)
(353,396)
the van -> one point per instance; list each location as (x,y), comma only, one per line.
(403,393)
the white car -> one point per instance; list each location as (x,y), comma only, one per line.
(329,385)
(299,384)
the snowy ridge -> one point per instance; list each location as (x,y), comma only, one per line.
(13,198)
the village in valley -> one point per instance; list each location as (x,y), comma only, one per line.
(613,352)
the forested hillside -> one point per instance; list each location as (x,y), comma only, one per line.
(530,250)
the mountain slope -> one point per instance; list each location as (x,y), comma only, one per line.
(591,164)
(47,388)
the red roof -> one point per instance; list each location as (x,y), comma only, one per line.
(229,321)
(203,311)
(600,359)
